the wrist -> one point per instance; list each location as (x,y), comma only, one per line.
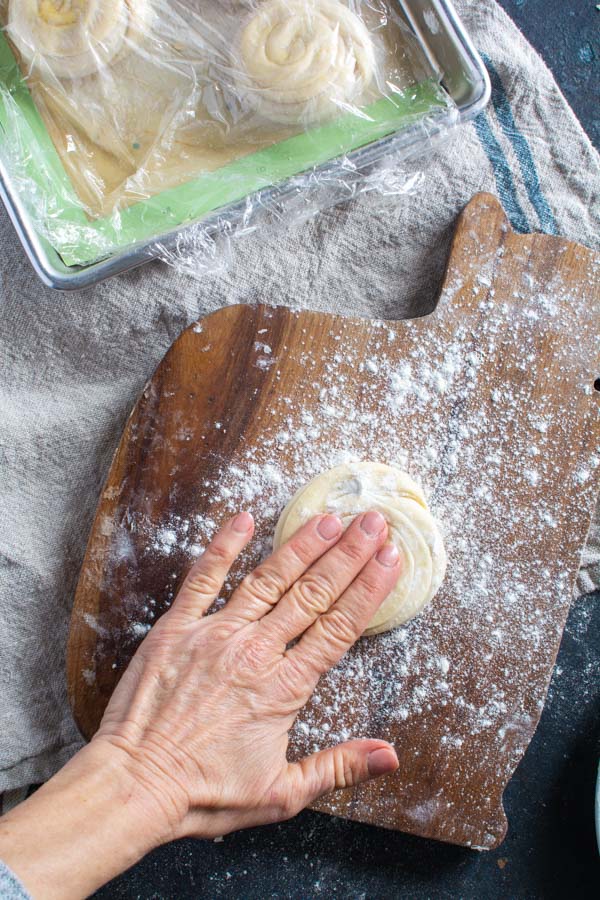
(142,802)
(86,825)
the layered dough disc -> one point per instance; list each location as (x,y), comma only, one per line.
(301,61)
(74,38)
(354,488)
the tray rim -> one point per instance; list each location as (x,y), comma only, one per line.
(54,273)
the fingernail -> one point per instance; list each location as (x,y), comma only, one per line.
(372,523)
(242,523)
(382,761)
(329,527)
(388,555)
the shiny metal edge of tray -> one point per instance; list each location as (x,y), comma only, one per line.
(449,50)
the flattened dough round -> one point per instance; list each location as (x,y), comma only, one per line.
(353,488)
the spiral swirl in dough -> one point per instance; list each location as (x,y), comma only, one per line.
(353,488)
(299,60)
(74,38)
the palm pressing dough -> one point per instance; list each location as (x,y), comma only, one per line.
(74,38)
(301,61)
(354,488)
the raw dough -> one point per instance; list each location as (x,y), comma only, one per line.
(302,61)
(74,38)
(162,106)
(350,489)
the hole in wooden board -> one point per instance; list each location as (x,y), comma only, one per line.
(597,384)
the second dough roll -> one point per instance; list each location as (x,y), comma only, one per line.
(301,61)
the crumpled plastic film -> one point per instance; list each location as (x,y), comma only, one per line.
(126,121)
(207,247)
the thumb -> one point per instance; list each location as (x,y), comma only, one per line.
(343,766)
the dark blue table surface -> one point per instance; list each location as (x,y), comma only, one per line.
(566,33)
(550,849)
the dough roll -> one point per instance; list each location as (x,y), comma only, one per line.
(353,488)
(301,61)
(74,38)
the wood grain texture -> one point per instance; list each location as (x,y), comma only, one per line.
(489,401)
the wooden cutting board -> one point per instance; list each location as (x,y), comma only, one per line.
(489,401)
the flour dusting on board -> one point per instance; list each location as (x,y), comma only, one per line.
(475,439)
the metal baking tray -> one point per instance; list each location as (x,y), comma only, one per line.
(448,48)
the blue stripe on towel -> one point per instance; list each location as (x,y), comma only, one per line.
(504,179)
(522,150)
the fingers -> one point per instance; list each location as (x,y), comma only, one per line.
(334,632)
(264,587)
(315,591)
(340,767)
(206,577)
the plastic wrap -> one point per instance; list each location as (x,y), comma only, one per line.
(125,120)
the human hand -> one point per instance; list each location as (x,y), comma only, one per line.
(202,714)
(194,739)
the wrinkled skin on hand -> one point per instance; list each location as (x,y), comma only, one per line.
(201,716)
